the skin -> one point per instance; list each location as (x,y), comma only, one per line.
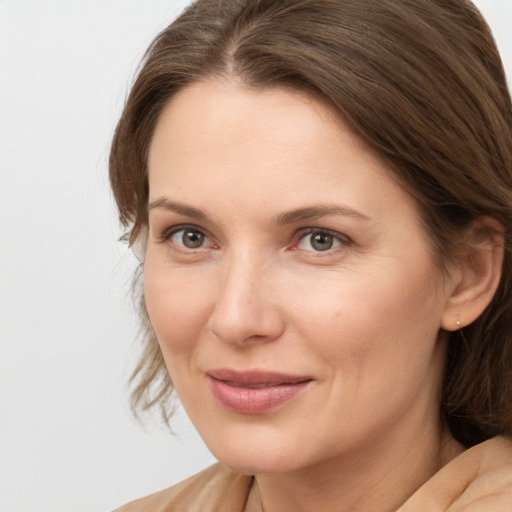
(363,319)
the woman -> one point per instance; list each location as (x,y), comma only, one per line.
(321,194)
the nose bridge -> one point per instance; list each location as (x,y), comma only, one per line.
(244,308)
(244,275)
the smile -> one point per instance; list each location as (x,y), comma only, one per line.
(254,392)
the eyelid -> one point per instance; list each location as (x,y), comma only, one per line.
(345,241)
(169,232)
(300,234)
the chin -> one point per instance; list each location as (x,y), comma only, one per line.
(248,465)
(259,452)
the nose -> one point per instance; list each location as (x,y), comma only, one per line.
(245,311)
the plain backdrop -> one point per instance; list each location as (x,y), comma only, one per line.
(67,326)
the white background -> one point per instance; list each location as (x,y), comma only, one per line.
(67,328)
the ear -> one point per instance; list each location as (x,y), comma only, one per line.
(476,273)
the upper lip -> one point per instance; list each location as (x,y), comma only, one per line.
(255,377)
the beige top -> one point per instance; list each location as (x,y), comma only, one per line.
(215,489)
(478,480)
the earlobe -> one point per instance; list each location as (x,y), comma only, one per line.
(478,273)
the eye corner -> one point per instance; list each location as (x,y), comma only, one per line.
(324,243)
(175,237)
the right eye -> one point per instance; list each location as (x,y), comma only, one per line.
(187,238)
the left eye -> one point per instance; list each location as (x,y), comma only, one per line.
(189,238)
(318,241)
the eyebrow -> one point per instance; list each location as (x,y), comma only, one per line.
(298,215)
(183,209)
(317,212)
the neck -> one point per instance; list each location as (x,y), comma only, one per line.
(377,479)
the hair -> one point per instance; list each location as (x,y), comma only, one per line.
(419,81)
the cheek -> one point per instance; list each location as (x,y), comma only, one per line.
(178,306)
(375,341)
(372,323)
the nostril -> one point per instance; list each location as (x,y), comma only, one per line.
(244,312)
(255,323)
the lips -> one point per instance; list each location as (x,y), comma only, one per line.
(254,392)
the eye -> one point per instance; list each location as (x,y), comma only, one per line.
(187,238)
(320,241)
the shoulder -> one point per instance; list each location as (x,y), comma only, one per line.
(480,479)
(215,488)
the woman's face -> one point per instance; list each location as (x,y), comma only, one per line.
(288,280)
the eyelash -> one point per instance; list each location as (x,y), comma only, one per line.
(169,233)
(343,240)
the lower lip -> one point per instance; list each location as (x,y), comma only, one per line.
(254,400)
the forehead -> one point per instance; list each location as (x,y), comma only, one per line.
(220,112)
(268,145)
(221,117)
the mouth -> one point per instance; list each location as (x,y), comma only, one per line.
(255,392)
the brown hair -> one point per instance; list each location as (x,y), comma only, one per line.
(420,81)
